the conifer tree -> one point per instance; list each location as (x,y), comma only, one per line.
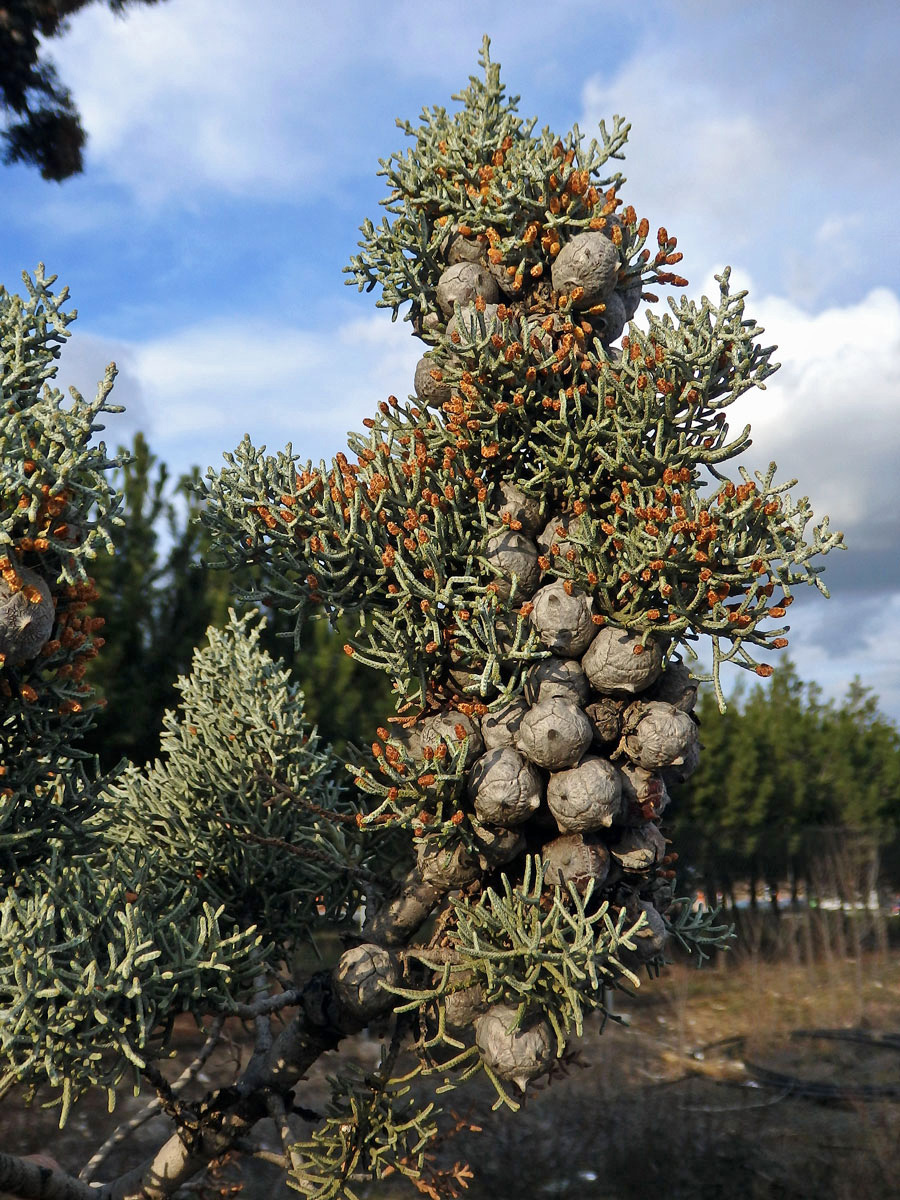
(524,550)
(44,127)
(156,602)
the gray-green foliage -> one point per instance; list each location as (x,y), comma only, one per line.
(56,512)
(98,954)
(97,957)
(243,803)
(459,174)
(697,929)
(47,440)
(621,443)
(535,948)
(179,888)
(187,889)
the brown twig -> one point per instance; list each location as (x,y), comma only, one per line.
(304,852)
(317,809)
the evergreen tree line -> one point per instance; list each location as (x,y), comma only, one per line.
(793,793)
(795,796)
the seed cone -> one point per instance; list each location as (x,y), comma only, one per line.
(463,282)
(554,734)
(586,797)
(556,679)
(26,616)
(517,1055)
(563,620)
(358,980)
(512,554)
(589,263)
(501,727)
(617,664)
(505,787)
(576,859)
(659,735)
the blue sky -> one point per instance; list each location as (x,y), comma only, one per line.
(232,156)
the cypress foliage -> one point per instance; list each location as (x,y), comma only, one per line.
(241,792)
(57,513)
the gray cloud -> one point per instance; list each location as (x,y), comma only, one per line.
(765,135)
(871,575)
(853,634)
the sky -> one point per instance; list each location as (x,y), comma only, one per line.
(232,156)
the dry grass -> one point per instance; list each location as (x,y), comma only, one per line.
(647,1116)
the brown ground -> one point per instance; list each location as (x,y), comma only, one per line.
(648,1118)
(660,1109)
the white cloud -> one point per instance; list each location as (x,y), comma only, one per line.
(200,389)
(831,415)
(181,97)
(773,156)
(693,163)
(273,99)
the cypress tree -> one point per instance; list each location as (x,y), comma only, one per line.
(526,550)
